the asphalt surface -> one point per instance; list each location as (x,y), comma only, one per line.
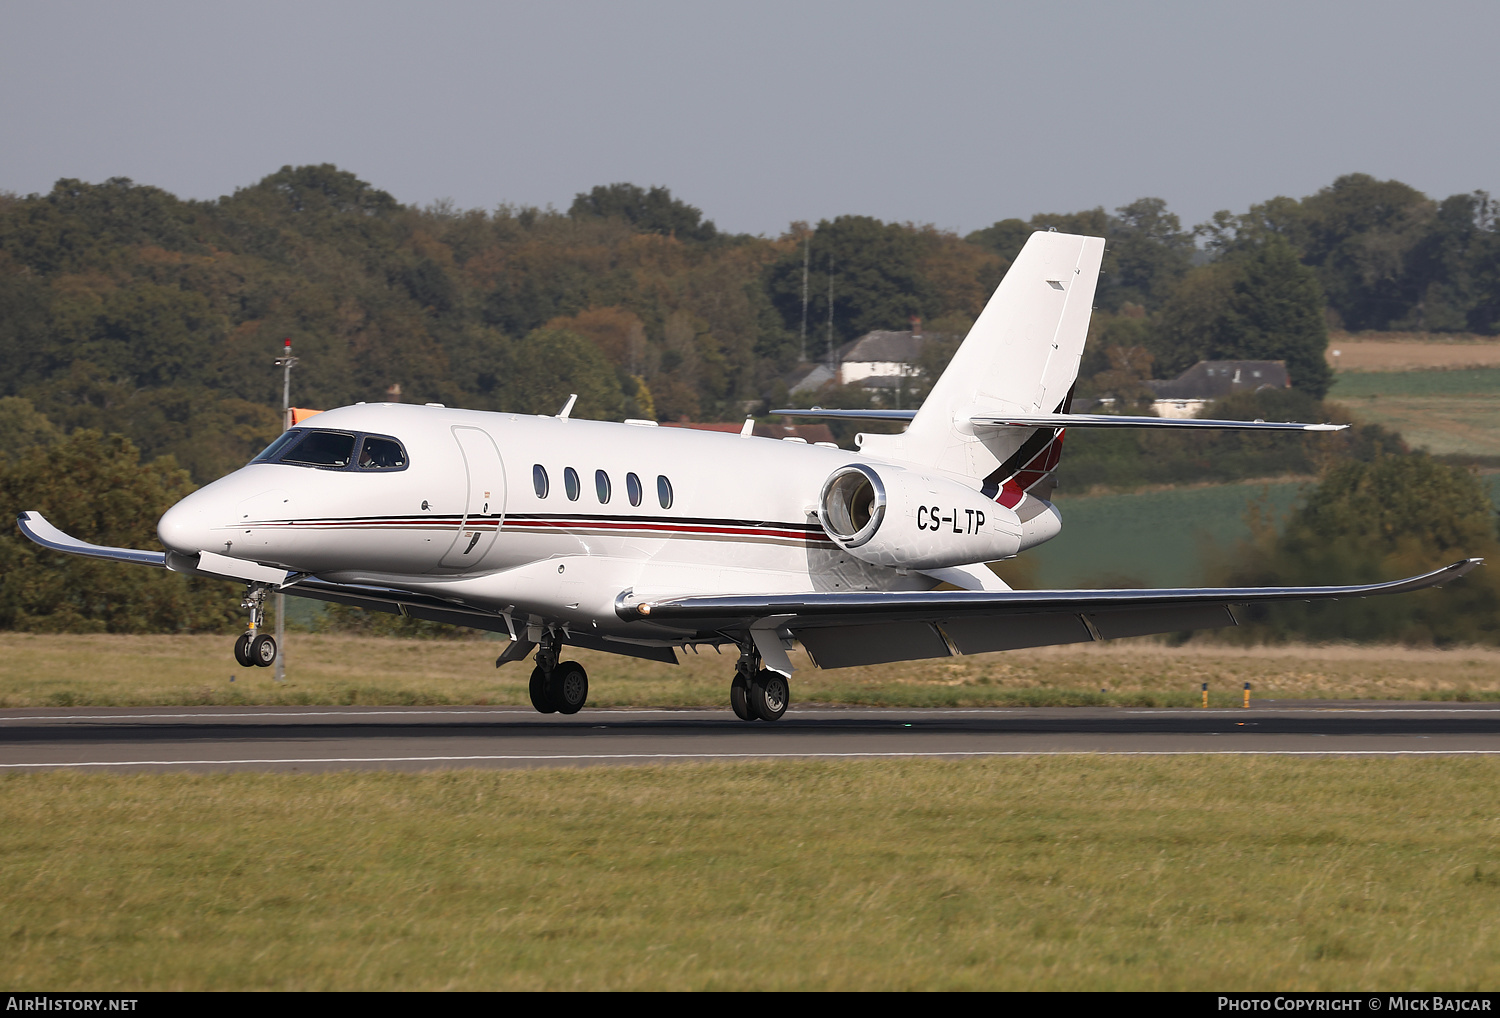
(212,739)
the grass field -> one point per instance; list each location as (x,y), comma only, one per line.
(48,671)
(1410,352)
(1206,873)
(1151,538)
(1446,412)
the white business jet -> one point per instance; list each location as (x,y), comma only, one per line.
(639,540)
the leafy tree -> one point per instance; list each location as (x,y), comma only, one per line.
(22,427)
(1146,249)
(1369,521)
(876,275)
(1262,306)
(96,489)
(650,211)
(550,364)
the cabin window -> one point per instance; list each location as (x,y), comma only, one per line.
(272,452)
(322,449)
(570,484)
(381,454)
(601,486)
(539,480)
(633,488)
(664,491)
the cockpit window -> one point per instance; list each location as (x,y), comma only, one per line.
(322,449)
(381,454)
(272,452)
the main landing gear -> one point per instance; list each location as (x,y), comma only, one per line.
(758,694)
(255,649)
(560,687)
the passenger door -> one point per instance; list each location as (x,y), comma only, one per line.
(485,509)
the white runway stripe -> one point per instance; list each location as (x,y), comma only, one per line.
(757,756)
(603,714)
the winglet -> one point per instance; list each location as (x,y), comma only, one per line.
(36,528)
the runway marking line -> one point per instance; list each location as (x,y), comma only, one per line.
(884,711)
(763,756)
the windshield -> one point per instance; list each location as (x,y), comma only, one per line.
(272,452)
(322,449)
(334,450)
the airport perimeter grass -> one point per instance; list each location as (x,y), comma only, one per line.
(1081,872)
(101,670)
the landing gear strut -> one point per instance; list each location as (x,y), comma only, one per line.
(757,694)
(255,649)
(560,687)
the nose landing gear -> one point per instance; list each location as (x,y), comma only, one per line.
(560,687)
(254,649)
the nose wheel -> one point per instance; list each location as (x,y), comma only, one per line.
(254,649)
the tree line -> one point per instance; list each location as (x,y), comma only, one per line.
(137,331)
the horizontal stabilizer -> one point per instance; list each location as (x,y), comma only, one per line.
(1113,421)
(851,415)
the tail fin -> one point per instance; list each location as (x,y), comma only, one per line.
(1021,357)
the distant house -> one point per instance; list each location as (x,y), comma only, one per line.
(1207,381)
(878,360)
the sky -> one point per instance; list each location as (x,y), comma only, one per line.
(951,113)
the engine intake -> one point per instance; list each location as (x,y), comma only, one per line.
(852,505)
(896,517)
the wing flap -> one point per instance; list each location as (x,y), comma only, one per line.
(979,636)
(1148,621)
(845,646)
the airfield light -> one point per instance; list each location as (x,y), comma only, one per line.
(1205,694)
(1247,694)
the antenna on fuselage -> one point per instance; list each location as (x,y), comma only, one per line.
(567,409)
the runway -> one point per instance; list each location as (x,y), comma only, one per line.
(214,739)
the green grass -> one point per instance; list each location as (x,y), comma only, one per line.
(1088,873)
(1467,381)
(1153,538)
(97,670)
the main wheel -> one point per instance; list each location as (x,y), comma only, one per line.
(739,697)
(769,695)
(539,691)
(263,650)
(242,651)
(568,687)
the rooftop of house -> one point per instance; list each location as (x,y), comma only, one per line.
(1212,379)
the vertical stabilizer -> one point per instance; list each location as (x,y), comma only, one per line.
(1021,357)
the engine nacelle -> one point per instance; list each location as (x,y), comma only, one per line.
(896,517)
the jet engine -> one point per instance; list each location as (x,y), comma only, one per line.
(899,518)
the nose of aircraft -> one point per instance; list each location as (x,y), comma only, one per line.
(185,528)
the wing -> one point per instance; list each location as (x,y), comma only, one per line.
(855,628)
(36,527)
(382,599)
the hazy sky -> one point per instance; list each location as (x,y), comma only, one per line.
(761,113)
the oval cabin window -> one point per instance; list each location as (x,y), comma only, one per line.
(601,486)
(664,491)
(539,480)
(633,488)
(570,484)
